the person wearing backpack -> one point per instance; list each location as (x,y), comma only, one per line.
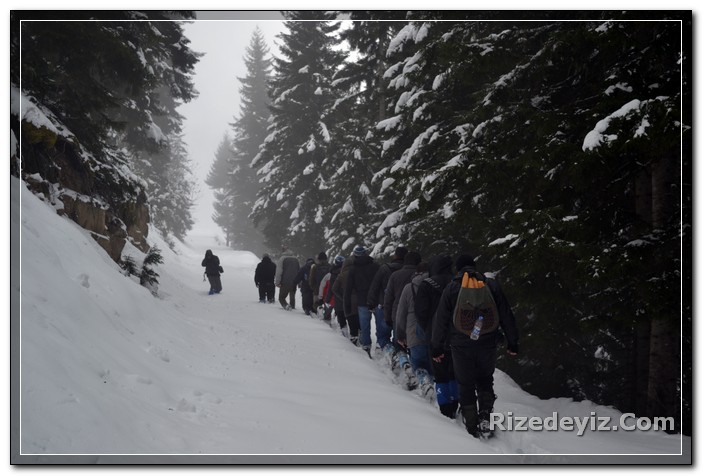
(426,301)
(264,278)
(349,305)
(411,335)
(212,270)
(303,280)
(361,272)
(396,283)
(474,359)
(327,297)
(286,270)
(380,281)
(317,273)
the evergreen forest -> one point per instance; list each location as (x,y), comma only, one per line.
(555,147)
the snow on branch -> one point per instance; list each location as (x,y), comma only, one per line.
(597,136)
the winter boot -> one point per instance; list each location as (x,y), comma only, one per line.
(407,376)
(449,409)
(388,353)
(426,383)
(354,340)
(485,407)
(469,417)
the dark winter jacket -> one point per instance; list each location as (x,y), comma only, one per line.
(430,290)
(380,281)
(396,283)
(445,334)
(212,264)
(318,271)
(265,272)
(303,275)
(334,274)
(339,287)
(361,274)
(287,269)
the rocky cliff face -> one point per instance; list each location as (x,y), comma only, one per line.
(110,204)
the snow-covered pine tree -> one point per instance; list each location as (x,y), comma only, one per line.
(171,188)
(522,142)
(413,134)
(156,144)
(360,104)
(219,180)
(249,131)
(294,161)
(114,85)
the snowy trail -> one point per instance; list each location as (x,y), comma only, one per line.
(109,369)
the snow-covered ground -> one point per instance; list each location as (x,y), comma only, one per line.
(109,369)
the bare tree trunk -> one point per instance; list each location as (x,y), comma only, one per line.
(663,393)
(642,356)
(642,330)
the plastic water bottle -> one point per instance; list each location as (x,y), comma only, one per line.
(477,328)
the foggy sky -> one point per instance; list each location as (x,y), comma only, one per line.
(224,40)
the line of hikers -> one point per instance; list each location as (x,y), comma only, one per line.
(422,310)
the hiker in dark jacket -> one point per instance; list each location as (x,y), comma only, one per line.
(286,271)
(303,279)
(212,271)
(317,273)
(396,283)
(327,297)
(377,291)
(264,278)
(426,301)
(357,287)
(474,360)
(338,289)
(380,280)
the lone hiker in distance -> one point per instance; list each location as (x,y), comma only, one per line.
(212,271)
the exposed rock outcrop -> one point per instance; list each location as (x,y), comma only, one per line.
(111,206)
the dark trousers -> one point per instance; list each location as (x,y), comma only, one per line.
(284,292)
(307,299)
(215,283)
(473,368)
(445,385)
(266,291)
(353,323)
(339,312)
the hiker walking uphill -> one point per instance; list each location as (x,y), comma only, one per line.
(426,301)
(317,273)
(380,281)
(302,279)
(473,346)
(348,302)
(396,283)
(411,335)
(286,270)
(212,271)
(334,301)
(359,279)
(264,278)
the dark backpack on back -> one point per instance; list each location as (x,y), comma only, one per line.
(475,299)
